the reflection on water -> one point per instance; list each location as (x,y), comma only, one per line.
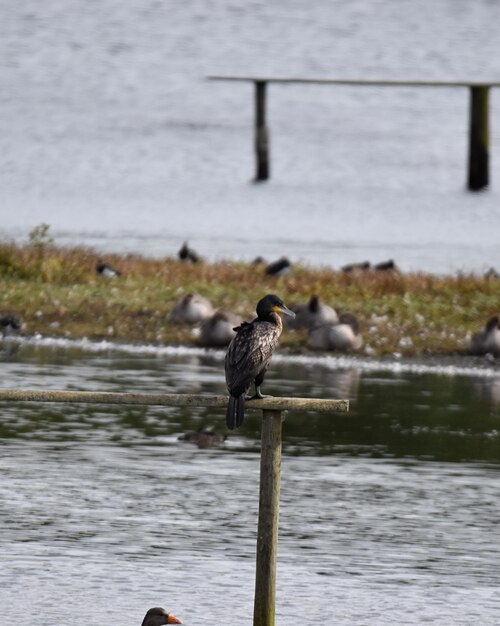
(389,515)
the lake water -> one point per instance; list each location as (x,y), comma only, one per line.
(110,132)
(389,514)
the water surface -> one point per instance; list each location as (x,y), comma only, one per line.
(389,515)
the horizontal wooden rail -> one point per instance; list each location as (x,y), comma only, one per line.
(478,155)
(359,81)
(171,399)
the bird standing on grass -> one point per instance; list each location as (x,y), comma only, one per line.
(249,354)
(158,616)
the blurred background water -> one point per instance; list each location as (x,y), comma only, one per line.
(110,132)
(389,514)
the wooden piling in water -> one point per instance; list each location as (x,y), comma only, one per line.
(478,138)
(261,132)
(478,171)
(267,532)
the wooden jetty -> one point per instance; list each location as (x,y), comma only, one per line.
(478,158)
(270,462)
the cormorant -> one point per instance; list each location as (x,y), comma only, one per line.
(249,354)
(487,340)
(158,616)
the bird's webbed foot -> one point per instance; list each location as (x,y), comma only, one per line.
(258,395)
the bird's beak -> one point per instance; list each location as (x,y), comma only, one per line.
(284,309)
(173,620)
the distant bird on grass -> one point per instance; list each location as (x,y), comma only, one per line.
(344,335)
(158,616)
(218,331)
(191,309)
(188,254)
(249,354)
(352,267)
(279,267)
(204,437)
(105,269)
(386,266)
(313,313)
(487,340)
(9,323)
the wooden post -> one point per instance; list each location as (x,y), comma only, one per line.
(478,138)
(261,132)
(267,533)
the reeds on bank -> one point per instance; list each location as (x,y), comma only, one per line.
(57,291)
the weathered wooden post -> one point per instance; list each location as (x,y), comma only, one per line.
(261,132)
(267,532)
(478,138)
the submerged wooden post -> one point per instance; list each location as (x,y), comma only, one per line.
(267,532)
(261,132)
(478,138)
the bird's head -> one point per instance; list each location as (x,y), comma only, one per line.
(158,616)
(272,304)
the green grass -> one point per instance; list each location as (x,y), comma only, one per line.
(57,292)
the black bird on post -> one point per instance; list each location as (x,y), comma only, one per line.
(158,616)
(249,354)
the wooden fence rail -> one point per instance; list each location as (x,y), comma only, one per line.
(270,462)
(478,158)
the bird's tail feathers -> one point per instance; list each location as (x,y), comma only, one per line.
(235,411)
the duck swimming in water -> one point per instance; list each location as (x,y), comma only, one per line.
(344,336)
(158,616)
(487,340)
(204,437)
(191,309)
(249,354)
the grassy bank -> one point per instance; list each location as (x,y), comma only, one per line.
(57,292)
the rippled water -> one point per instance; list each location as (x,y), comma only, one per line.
(389,515)
(110,132)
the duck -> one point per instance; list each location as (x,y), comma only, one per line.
(191,309)
(352,267)
(107,270)
(217,331)
(343,335)
(204,437)
(386,266)
(157,616)
(9,323)
(279,267)
(487,340)
(188,254)
(313,313)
